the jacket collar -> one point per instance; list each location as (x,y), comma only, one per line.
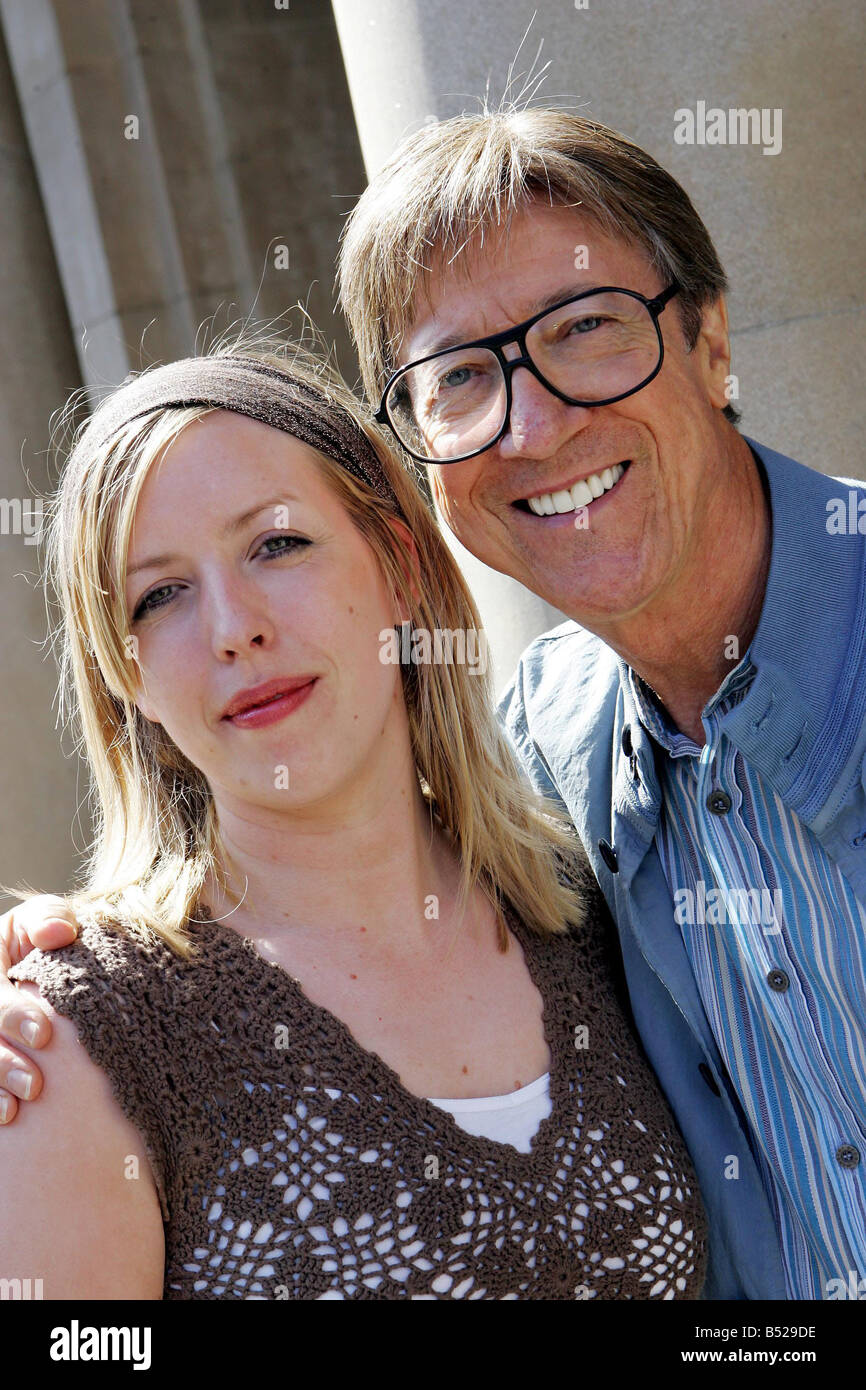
(802,721)
(798,725)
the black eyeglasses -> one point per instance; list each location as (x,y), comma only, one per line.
(592,349)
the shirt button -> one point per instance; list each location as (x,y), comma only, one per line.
(609,855)
(847,1156)
(709,1078)
(719,803)
(778,980)
(626,741)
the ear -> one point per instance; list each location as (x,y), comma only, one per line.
(409,563)
(146,709)
(445,511)
(439,495)
(142,703)
(714,351)
(436,488)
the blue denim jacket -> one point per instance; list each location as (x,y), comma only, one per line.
(802,726)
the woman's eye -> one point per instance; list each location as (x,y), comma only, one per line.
(152,600)
(284,544)
(164,593)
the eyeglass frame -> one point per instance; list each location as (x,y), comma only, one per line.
(517,334)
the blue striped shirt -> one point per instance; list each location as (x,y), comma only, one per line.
(777,943)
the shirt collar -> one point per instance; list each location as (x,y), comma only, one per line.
(658,722)
(797,707)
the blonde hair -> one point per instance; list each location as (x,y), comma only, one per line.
(453,182)
(156,833)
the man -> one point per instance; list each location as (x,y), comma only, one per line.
(701,718)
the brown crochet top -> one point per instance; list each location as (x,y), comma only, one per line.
(292,1163)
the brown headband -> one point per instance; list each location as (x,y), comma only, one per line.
(253,388)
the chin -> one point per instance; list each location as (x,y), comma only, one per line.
(592,603)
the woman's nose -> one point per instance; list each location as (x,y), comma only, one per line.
(239,618)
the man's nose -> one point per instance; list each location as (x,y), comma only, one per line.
(539,423)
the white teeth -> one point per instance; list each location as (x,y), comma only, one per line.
(580,495)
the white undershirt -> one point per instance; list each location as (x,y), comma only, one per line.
(511,1119)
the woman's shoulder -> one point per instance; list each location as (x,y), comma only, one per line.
(121,1029)
(107,966)
(76,1176)
(76,1091)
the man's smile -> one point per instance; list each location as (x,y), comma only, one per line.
(571,497)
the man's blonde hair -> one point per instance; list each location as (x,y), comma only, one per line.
(458,180)
(157,837)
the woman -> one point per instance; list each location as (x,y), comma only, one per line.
(349,1025)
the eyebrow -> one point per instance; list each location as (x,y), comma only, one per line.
(449,340)
(230,529)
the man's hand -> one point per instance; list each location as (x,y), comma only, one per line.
(45,922)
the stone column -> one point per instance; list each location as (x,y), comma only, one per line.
(189,167)
(171,168)
(788,225)
(40,788)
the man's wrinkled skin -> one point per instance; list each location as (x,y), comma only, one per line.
(44,922)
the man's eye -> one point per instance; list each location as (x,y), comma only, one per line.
(585,325)
(455,378)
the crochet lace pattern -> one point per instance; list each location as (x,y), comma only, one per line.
(292,1164)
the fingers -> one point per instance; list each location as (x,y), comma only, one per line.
(20,1079)
(45,921)
(22,1020)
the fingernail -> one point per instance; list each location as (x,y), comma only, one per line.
(61,921)
(4,1109)
(17,1080)
(30,1031)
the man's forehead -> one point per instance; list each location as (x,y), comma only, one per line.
(506,274)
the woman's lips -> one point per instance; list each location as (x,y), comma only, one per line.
(274,710)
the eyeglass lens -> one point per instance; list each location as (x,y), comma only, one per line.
(591,350)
